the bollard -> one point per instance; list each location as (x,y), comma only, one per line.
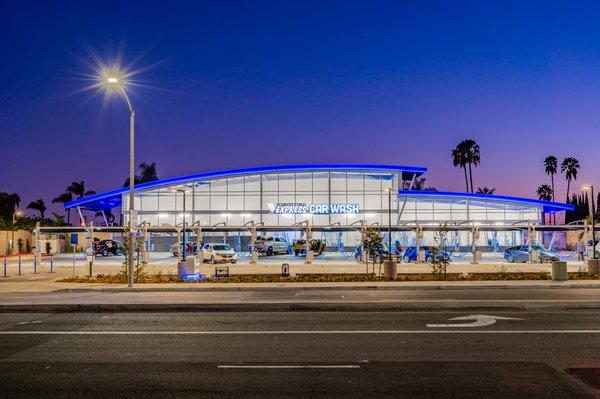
(19,265)
(51,264)
(5,272)
(34,265)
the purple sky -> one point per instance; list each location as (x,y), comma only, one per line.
(236,84)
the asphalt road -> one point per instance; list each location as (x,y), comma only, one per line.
(297,354)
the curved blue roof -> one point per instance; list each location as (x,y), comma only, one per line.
(548,206)
(111,199)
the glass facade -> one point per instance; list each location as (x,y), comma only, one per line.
(235,201)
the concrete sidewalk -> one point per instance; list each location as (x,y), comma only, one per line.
(422,296)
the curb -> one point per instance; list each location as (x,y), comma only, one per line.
(430,306)
(290,287)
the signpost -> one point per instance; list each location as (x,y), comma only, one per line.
(74,244)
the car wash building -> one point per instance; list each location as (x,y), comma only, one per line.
(319,195)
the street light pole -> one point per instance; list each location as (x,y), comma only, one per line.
(389,191)
(593,210)
(183,237)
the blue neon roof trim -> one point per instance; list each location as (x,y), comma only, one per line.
(111,199)
(548,206)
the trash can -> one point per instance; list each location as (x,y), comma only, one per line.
(390,269)
(593,266)
(559,271)
(186,267)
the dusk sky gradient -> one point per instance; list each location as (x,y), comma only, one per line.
(240,84)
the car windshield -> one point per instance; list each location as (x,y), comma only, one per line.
(221,247)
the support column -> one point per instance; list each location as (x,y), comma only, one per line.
(309,252)
(476,253)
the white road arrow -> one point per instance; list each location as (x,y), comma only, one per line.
(479,320)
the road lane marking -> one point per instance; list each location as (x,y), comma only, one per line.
(479,320)
(298,332)
(289,366)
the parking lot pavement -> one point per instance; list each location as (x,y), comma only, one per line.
(327,263)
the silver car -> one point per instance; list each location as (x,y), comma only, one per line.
(271,245)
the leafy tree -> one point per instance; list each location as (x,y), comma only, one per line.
(439,258)
(570,166)
(9,202)
(486,190)
(38,205)
(371,241)
(544,192)
(63,198)
(59,220)
(551,167)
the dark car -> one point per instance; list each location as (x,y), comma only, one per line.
(411,253)
(107,247)
(522,253)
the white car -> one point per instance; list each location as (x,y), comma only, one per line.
(218,253)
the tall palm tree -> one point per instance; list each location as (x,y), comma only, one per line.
(471,150)
(485,190)
(459,160)
(63,199)
(544,192)
(569,166)
(77,188)
(551,166)
(147,173)
(38,205)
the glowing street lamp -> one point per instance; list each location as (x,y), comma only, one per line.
(115,81)
(16,213)
(593,210)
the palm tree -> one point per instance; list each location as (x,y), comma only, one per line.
(59,220)
(459,160)
(147,173)
(570,166)
(551,166)
(77,188)
(38,205)
(485,190)
(544,192)
(471,149)
(63,199)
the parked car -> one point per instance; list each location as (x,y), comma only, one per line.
(521,253)
(271,245)
(107,247)
(411,254)
(317,246)
(596,248)
(192,248)
(380,254)
(218,253)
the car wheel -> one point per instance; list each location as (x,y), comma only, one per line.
(428,259)
(376,258)
(405,259)
(296,252)
(269,251)
(104,252)
(510,259)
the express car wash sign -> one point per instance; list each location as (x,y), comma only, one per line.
(298,208)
